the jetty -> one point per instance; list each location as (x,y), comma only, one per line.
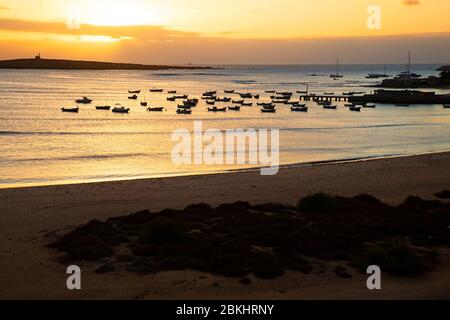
(402,97)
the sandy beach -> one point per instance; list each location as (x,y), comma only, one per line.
(33,217)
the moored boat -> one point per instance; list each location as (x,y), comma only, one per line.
(120,110)
(184,111)
(156,90)
(299,109)
(103,107)
(134,91)
(144,104)
(329,106)
(355,108)
(215,109)
(84,100)
(234,108)
(228,91)
(224,99)
(265,110)
(446,106)
(74,110)
(133,97)
(155,109)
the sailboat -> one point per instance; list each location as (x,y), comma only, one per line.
(337,75)
(408,74)
(378,75)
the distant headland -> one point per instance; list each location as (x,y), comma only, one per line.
(59,64)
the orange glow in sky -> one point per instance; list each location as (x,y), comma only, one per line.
(147,21)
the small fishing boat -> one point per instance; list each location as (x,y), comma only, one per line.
(120,110)
(133,97)
(144,104)
(234,108)
(446,106)
(215,109)
(299,109)
(256,96)
(209,98)
(209,93)
(329,106)
(355,108)
(351,93)
(238,101)
(156,90)
(180,97)
(246,95)
(172,91)
(264,110)
(293,103)
(225,99)
(211,103)
(284,93)
(228,91)
(192,102)
(302,92)
(171,99)
(369,105)
(155,109)
(349,105)
(328,93)
(265,104)
(269,106)
(134,91)
(184,111)
(70,109)
(270,91)
(84,100)
(103,107)
(247,104)
(184,106)
(402,105)
(280,101)
(323,103)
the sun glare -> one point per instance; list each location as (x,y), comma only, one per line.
(121,13)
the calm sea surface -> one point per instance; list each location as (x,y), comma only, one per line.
(40,145)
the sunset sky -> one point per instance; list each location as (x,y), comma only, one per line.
(210,31)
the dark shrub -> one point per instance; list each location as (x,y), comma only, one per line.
(396,259)
(321,202)
(271,207)
(266,266)
(292,260)
(342,272)
(199,209)
(164,230)
(443,194)
(88,248)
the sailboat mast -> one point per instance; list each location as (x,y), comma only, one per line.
(409,62)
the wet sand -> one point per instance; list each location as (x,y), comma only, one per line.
(30,218)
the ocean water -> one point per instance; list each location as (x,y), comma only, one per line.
(40,145)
